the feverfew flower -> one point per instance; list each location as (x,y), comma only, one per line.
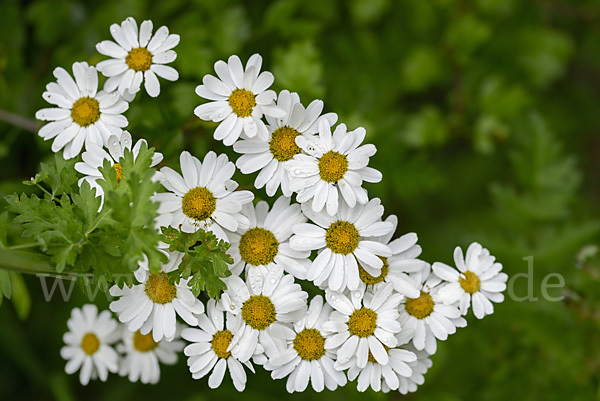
(363,325)
(266,242)
(382,377)
(239,98)
(419,367)
(137,56)
(143,354)
(265,306)
(342,244)
(478,280)
(88,344)
(94,156)
(403,260)
(427,317)
(270,155)
(152,304)
(203,197)
(305,358)
(83,114)
(334,166)
(209,350)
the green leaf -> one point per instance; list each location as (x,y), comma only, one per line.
(205,259)
(3,228)
(20,296)
(5,284)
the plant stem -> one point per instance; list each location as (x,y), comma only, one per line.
(24,262)
(19,121)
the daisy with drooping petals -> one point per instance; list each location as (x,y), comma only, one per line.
(382,377)
(209,350)
(419,367)
(153,304)
(427,317)
(342,244)
(83,114)
(403,260)
(334,166)
(94,156)
(265,306)
(266,242)
(270,155)
(305,358)
(137,57)
(363,325)
(143,355)
(203,197)
(478,281)
(239,98)
(88,344)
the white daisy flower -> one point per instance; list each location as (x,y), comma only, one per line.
(404,259)
(209,350)
(342,244)
(335,165)
(88,344)
(363,325)
(270,155)
(153,304)
(427,317)
(266,242)
(143,355)
(94,156)
(265,307)
(478,281)
(419,367)
(239,98)
(305,358)
(382,377)
(137,56)
(204,197)
(83,114)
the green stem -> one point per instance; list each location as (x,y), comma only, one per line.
(23,246)
(55,199)
(24,262)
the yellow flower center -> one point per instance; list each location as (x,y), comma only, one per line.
(258,246)
(144,342)
(159,290)
(372,358)
(283,144)
(258,312)
(139,59)
(119,169)
(90,343)
(199,203)
(370,280)
(242,102)
(420,307)
(85,111)
(471,283)
(362,322)
(333,166)
(220,342)
(309,344)
(342,237)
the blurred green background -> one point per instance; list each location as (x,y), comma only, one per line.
(485,116)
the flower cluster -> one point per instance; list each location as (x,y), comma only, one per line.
(382,309)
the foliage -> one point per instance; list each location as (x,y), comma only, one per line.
(66,224)
(205,260)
